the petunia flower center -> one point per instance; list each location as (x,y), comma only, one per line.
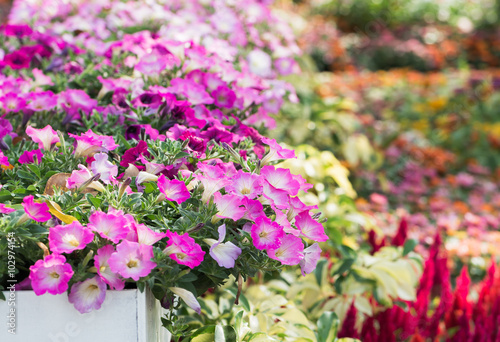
(54,275)
(70,239)
(245,191)
(132,264)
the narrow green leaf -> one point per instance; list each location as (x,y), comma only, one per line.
(409,246)
(327,326)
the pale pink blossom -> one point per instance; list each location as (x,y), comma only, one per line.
(88,295)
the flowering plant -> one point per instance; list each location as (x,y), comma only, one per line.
(129,157)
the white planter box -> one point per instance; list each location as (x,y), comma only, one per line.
(125,316)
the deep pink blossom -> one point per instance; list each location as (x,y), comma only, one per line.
(29,157)
(88,295)
(51,275)
(36,211)
(266,233)
(183,249)
(223,97)
(17,60)
(132,260)
(6,210)
(4,160)
(174,190)
(280,179)
(146,235)
(70,237)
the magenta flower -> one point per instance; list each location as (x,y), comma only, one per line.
(102,265)
(224,97)
(229,206)
(276,152)
(17,60)
(6,210)
(74,100)
(174,190)
(17,30)
(41,101)
(88,295)
(266,233)
(4,160)
(290,252)
(45,137)
(225,253)
(280,179)
(89,143)
(12,103)
(29,157)
(245,184)
(132,260)
(112,226)
(311,258)
(51,275)
(104,167)
(279,198)
(310,228)
(151,64)
(36,211)
(68,238)
(183,249)
(253,209)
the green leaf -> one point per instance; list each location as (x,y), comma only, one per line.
(409,246)
(327,327)
(318,272)
(224,334)
(345,266)
(26,175)
(238,321)
(34,168)
(205,334)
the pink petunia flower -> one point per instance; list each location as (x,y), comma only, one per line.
(41,101)
(12,103)
(266,233)
(174,190)
(211,186)
(103,270)
(245,184)
(312,255)
(225,253)
(6,210)
(103,166)
(183,249)
(253,209)
(276,152)
(29,157)
(70,237)
(4,160)
(146,235)
(36,211)
(280,179)
(132,260)
(310,228)
(88,295)
(112,226)
(51,275)
(17,60)
(45,137)
(290,252)
(229,206)
(89,143)
(224,97)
